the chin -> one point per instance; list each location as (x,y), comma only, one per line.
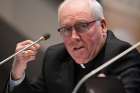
(81,61)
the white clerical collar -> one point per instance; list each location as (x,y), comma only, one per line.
(83,66)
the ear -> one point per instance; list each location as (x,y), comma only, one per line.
(104,25)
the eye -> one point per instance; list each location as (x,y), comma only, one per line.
(68,29)
(83,25)
(80,27)
(64,29)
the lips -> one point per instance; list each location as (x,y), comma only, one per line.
(78,48)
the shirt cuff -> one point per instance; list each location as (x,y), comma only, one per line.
(14,83)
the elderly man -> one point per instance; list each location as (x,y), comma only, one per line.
(87,45)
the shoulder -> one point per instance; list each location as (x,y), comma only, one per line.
(116,43)
(114,46)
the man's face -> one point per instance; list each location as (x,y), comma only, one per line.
(82,45)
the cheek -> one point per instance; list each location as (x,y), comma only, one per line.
(67,43)
(92,40)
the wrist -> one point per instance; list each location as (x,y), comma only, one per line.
(16,76)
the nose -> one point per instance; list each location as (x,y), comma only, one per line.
(75,35)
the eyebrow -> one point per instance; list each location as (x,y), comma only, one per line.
(79,21)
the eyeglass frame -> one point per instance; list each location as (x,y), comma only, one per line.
(75,27)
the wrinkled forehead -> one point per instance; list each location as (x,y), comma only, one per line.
(74,9)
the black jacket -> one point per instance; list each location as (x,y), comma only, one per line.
(60,73)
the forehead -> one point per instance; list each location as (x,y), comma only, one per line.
(73,13)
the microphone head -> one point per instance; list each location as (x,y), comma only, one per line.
(46,36)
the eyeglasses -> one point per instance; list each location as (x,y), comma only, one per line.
(79,27)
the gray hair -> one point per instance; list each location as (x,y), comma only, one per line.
(95,6)
(96,9)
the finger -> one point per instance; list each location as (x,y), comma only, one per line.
(29,58)
(29,53)
(21,46)
(26,42)
(37,46)
(34,47)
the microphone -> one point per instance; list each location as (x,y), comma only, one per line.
(93,72)
(44,37)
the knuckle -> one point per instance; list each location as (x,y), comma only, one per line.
(29,41)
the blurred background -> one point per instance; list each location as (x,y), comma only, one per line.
(29,19)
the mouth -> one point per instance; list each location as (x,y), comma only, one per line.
(78,48)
